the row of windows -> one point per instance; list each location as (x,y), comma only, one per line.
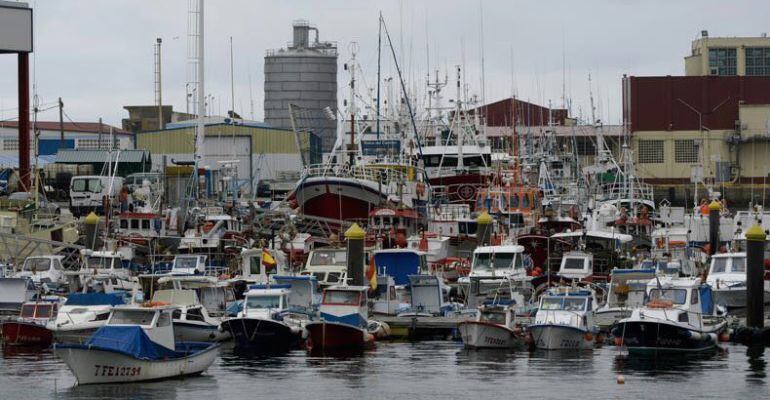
(758,61)
(686,151)
(722,61)
(82,144)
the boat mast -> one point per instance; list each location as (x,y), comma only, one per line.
(379,69)
(352,108)
(200,129)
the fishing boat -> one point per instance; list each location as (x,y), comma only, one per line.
(727,278)
(496,271)
(565,319)
(262,325)
(626,291)
(493,328)
(83,314)
(679,315)
(45,271)
(29,329)
(328,265)
(137,344)
(344,319)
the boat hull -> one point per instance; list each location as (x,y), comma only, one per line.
(334,335)
(656,336)
(262,335)
(606,318)
(485,335)
(91,366)
(75,336)
(190,332)
(19,333)
(337,198)
(561,337)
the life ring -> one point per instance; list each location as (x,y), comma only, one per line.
(660,304)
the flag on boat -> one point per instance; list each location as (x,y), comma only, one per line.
(371,273)
(267,259)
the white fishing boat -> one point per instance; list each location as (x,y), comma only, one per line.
(493,328)
(83,314)
(45,271)
(679,315)
(626,291)
(344,320)
(565,319)
(262,325)
(137,344)
(727,278)
(328,265)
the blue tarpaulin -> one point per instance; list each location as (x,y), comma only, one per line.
(706,300)
(95,299)
(129,340)
(399,265)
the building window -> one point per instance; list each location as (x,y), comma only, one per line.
(10,144)
(685,151)
(96,144)
(758,61)
(651,152)
(722,61)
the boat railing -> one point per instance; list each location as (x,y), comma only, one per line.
(383,174)
(622,191)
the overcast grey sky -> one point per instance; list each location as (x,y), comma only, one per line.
(98,54)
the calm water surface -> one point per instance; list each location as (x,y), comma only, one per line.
(429,370)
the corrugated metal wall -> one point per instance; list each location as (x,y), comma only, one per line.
(180,141)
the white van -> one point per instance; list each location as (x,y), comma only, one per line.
(87,193)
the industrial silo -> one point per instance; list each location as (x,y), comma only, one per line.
(303,74)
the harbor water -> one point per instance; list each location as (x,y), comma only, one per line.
(425,370)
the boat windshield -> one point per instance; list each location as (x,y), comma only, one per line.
(37,310)
(494,317)
(341,297)
(739,265)
(676,296)
(564,303)
(496,261)
(718,265)
(101,262)
(574,263)
(329,257)
(263,302)
(131,317)
(186,262)
(36,264)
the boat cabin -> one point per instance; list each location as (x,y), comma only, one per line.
(195,264)
(108,262)
(504,261)
(14,292)
(391,226)
(216,296)
(346,305)
(303,296)
(328,265)
(628,287)
(141,225)
(727,269)
(577,265)
(156,322)
(497,313)
(400,263)
(429,296)
(41,311)
(567,306)
(42,269)
(263,301)
(667,295)
(385,299)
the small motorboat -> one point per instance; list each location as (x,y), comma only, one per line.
(262,325)
(344,320)
(29,329)
(565,319)
(727,278)
(679,315)
(83,314)
(626,291)
(494,328)
(137,344)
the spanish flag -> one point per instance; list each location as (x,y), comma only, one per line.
(267,259)
(371,273)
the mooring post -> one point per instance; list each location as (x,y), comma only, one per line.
(714,210)
(484,229)
(355,237)
(755,277)
(92,230)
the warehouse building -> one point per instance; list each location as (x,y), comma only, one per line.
(709,130)
(252,150)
